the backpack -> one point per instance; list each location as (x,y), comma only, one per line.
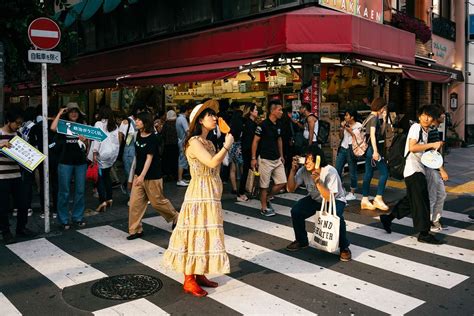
(395,156)
(323,132)
(361,144)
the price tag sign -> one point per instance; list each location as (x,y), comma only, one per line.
(26,155)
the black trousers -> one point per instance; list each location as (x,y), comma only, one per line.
(104,185)
(416,203)
(12,188)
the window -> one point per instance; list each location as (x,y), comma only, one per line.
(442,8)
(407,6)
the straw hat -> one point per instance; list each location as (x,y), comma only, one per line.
(209,104)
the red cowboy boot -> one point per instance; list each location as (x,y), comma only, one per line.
(190,286)
(203,281)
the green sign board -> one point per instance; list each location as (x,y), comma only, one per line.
(89,132)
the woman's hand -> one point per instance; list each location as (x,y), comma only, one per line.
(376,156)
(229,140)
(444,175)
(294,163)
(315,175)
(139,180)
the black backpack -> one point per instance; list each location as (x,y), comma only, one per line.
(395,156)
(323,132)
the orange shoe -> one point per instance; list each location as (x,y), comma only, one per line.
(203,281)
(378,203)
(190,286)
(366,205)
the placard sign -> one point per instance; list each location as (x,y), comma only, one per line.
(26,155)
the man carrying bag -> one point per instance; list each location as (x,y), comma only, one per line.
(322,182)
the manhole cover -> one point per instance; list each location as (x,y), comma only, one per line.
(126,287)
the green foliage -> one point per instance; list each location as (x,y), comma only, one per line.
(15,16)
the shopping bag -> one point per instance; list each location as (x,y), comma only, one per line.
(326,226)
(252,186)
(92,173)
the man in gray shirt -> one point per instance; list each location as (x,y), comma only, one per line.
(182,127)
(320,181)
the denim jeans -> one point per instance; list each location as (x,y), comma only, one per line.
(369,173)
(128,156)
(307,207)
(345,155)
(65,174)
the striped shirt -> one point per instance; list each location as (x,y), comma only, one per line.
(9,168)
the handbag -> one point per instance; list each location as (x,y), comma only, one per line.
(326,226)
(92,173)
(252,186)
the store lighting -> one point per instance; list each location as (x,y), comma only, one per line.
(384,65)
(369,62)
(328,60)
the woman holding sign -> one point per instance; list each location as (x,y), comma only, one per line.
(196,246)
(72,151)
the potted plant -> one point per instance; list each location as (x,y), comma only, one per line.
(405,22)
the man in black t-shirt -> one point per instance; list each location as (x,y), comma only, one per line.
(270,161)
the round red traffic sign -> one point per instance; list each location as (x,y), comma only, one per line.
(44,33)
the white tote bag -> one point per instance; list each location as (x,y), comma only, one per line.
(326,226)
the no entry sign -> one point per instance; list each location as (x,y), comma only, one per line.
(44,33)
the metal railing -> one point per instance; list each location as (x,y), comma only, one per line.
(443,27)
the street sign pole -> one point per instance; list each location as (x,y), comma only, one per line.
(44,99)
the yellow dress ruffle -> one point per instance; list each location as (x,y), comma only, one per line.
(197,243)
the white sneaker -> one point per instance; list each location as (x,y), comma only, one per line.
(182,183)
(350,197)
(30,212)
(436,227)
(242,198)
(15,212)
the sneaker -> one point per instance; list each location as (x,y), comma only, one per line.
(42,215)
(345,255)
(182,183)
(25,232)
(267,212)
(270,206)
(54,215)
(80,224)
(429,239)
(386,222)
(64,226)
(242,198)
(295,246)
(30,212)
(95,194)
(8,238)
(15,212)
(471,217)
(436,227)
(350,197)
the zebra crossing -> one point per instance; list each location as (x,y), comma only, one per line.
(389,273)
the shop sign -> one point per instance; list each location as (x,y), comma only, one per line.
(315,95)
(76,129)
(471,26)
(443,51)
(371,10)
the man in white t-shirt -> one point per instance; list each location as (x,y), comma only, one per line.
(320,181)
(417,201)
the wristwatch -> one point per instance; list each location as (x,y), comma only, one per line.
(253,158)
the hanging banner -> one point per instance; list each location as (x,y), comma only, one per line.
(371,10)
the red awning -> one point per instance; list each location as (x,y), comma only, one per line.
(89,83)
(425,74)
(206,72)
(308,30)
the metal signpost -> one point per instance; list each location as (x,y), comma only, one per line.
(76,129)
(44,34)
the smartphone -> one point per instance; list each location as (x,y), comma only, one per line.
(301,160)
(318,162)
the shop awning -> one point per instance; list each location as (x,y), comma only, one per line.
(425,74)
(307,30)
(205,72)
(89,83)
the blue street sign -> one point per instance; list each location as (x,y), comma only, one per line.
(89,132)
(471,26)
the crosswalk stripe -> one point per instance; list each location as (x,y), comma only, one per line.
(444,250)
(448,231)
(231,292)
(372,295)
(140,307)
(445,214)
(7,308)
(407,268)
(55,264)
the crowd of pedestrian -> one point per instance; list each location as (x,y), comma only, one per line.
(282,145)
